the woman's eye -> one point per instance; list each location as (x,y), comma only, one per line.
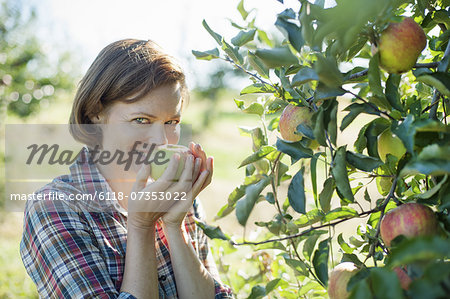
(141,120)
(172,122)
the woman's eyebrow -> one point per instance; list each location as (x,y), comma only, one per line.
(178,115)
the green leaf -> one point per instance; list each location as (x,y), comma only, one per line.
(258,88)
(291,31)
(305,130)
(375,82)
(313,168)
(262,36)
(392,94)
(340,175)
(406,132)
(295,150)
(310,243)
(298,266)
(242,11)
(276,57)
(363,162)
(206,55)
(243,37)
(361,291)
(434,167)
(355,109)
(216,36)
(232,52)
(344,246)
(324,92)
(328,72)
(341,212)
(303,76)
(245,206)
(309,218)
(211,231)
(331,112)
(261,153)
(326,194)
(439,80)
(273,284)
(350,257)
(257,292)
(320,261)
(319,127)
(385,283)
(258,65)
(417,249)
(296,193)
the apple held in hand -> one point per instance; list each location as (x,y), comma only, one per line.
(400,45)
(291,117)
(388,143)
(410,220)
(160,158)
(339,278)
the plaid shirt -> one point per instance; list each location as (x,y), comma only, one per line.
(76,249)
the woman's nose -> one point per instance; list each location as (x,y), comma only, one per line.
(158,134)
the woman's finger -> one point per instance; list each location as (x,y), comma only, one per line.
(142,177)
(197,166)
(186,175)
(169,175)
(199,183)
(210,168)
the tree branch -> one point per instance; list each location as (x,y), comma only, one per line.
(370,104)
(305,231)
(416,66)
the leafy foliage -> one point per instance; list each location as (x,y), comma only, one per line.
(325,63)
(26,75)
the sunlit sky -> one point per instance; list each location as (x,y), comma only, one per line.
(86,26)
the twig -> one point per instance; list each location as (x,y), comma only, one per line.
(370,104)
(416,66)
(228,59)
(305,231)
(442,67)
(382,209)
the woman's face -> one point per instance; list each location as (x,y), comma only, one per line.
(154,119)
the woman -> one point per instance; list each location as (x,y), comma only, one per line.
(133,94)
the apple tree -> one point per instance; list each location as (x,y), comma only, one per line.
(361,91)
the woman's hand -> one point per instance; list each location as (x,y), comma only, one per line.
(202,174)
(147,207)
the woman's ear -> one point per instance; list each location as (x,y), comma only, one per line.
(97,119)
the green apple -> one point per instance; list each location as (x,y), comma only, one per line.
(400,45)
(409,220)
(339,278)
(160,158)
(388,143)
(291,117)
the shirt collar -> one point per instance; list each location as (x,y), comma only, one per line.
(86,176)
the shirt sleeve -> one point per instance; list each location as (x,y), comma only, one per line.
(221,290)
(61,256)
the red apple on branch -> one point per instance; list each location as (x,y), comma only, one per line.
(405,280)
(339,278)
(410,220)
(400,45)
(291,117)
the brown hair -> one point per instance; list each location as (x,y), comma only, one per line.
(125,70)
